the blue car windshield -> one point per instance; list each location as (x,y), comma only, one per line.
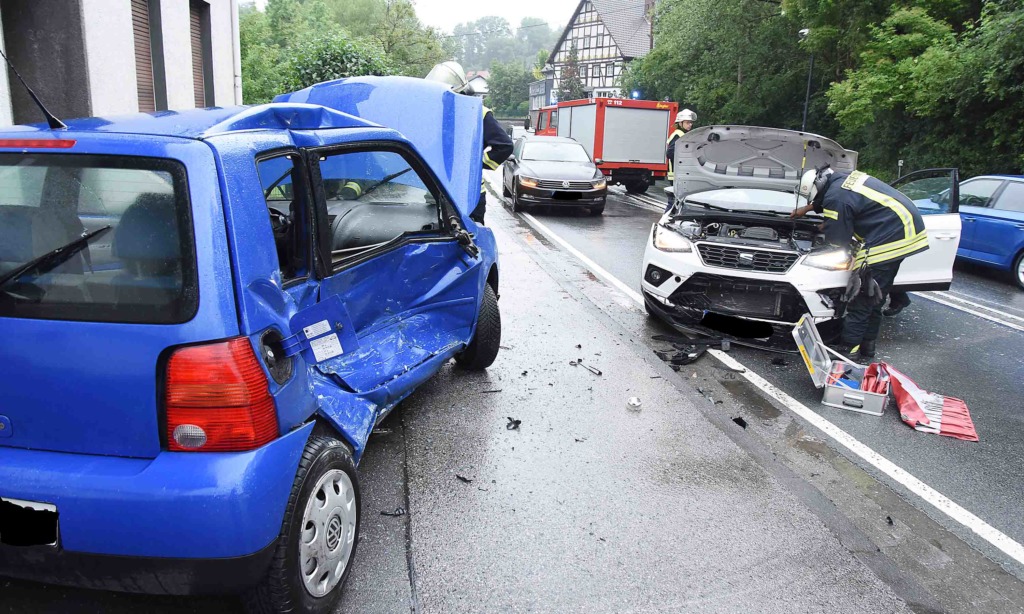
(128,220)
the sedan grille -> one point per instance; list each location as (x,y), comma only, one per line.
(556,184)
(728,257)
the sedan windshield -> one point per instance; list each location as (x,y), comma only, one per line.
(555,152)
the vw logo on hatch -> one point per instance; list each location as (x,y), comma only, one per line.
(565,184)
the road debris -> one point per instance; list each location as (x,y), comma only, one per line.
(399,511)
(513,424)
(579,363)
(888,520)
(491,391)
(780,362)
(384,431)
(740,421)
(633,403)
(463,479)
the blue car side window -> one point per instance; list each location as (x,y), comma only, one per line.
(374,197)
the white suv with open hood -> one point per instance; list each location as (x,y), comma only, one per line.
(728,245)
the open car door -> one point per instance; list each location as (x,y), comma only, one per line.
(935,191)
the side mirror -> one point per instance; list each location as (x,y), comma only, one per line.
(477,86)
(598,161)
(511,158)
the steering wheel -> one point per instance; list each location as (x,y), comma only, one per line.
(278,218)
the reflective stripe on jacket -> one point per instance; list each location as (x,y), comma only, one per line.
(856,205)
(670,152)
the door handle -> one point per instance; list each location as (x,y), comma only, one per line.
(945,236)
(969,219)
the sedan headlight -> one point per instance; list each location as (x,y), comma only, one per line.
(599,183)
(836,259)
(527,182)
(670,241)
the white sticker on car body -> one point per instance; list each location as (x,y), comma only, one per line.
(315,330)
(326,348)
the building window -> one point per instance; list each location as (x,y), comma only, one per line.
(202,65)
(149,65)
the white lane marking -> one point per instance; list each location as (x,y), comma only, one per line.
(933,497)
(595,268)
(974,312)
(959,298)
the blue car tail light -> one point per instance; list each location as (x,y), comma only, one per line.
(216,399)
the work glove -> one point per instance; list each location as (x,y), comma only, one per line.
(862,283)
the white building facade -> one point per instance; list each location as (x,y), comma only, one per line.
(107,57)
(606,34)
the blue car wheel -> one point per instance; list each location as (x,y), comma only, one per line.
(318,538)
(1018,270)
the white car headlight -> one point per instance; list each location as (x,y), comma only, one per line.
(837,259)
(599,183)
(670,241)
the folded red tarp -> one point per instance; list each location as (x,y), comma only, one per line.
(929,412)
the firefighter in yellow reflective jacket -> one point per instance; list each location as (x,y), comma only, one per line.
(497,143)
(889,229)
(684,123)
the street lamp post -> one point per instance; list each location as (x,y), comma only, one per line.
(807,97)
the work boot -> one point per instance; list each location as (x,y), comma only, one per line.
(846,349)
(892,310)
(867,347)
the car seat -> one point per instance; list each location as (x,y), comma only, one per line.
(147,242)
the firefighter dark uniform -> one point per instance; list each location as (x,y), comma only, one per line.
(497,148)
(670,155)
(889,227)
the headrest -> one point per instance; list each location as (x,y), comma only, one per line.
(16,233)
(148,230)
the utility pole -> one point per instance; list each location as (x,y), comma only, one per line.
(807,97)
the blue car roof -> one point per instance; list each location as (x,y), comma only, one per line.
(203,123)
(445,128)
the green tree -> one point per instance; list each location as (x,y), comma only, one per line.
(262,74)
(333,56)
(540,61)
(410,48)
(570,86)
(509,87)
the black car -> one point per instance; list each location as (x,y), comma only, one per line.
(553,171)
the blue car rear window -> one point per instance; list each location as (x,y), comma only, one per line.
(96,238)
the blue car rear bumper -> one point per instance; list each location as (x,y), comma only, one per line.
(187,522)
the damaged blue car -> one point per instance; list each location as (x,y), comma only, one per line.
(204,315)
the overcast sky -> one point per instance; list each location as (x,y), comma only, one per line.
(446,14)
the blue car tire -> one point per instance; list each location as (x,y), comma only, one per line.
(483,349)
(318,537)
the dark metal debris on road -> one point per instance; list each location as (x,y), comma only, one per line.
(780,362)
(463,479)
(513,424)
(579,363)
(399,511)
(740,421)
(491,391)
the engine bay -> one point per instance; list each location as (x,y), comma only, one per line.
(775,231)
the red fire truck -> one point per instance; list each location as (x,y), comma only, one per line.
(626,138)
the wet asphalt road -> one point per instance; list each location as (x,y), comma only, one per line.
(943,349)
(591,507)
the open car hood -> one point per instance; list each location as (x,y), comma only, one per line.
(716,157)
(444,127)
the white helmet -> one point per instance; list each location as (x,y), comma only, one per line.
(812,182)
(686,115)
(451,74)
